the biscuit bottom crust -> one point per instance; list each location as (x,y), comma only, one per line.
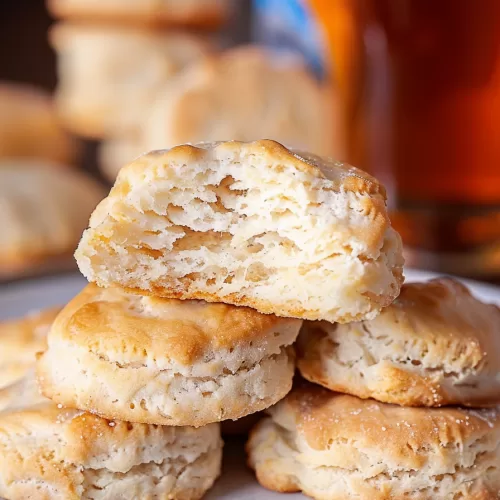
(164,397)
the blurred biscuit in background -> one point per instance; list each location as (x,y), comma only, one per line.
(43,211)
(194,13)
(108,76)
(242,94)
(29,127)
(20,340)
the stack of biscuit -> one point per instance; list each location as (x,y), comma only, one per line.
(48,451)
(415,409)
(113,57)
(203,261)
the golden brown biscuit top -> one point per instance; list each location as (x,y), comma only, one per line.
(117,322)
(323,417)
(275,155)
(22,337)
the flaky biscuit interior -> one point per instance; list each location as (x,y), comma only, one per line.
(251,224)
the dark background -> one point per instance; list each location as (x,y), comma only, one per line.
(25,55)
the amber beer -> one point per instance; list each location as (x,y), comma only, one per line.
(421,92)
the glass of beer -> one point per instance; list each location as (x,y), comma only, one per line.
(420,83)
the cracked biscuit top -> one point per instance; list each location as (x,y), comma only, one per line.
(130,328)
(435,345)
(141,358)
(337,446)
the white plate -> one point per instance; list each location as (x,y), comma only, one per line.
(237,482)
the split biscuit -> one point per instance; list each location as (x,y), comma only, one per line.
(251,224)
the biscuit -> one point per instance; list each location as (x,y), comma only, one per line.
(195,13)
(335,447)
(165,361)
(204,103)
(244,94)
(249,224)
(108,75)
(29,127)
(49,452)
(434,345)
(43,210)
(20,340)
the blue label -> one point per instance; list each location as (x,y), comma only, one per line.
(290,25)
